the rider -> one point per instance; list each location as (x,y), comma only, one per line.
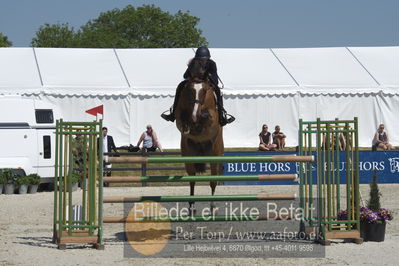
(203,54)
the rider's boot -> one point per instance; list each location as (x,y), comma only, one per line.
(171,115)
(224,118)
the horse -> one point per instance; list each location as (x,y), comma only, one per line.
(197,120)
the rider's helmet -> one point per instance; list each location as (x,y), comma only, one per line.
(202,53)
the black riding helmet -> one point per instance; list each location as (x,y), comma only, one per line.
(202,53)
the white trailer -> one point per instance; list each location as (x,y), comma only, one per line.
(27,136)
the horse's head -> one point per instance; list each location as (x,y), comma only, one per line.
(196,113)
(197,69)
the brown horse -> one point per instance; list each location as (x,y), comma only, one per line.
(198,121)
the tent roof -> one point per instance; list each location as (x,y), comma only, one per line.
(67,71)
(381,63)
(151,70)
(18,68)
(321,67)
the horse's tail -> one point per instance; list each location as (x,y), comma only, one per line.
(200,167)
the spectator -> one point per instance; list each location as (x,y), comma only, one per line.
(150,140)
(265,140)
(341,141)
(278,138)
(381,139)
(108,141)
(108,146)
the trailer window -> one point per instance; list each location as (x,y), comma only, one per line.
(46,147)
(44,116)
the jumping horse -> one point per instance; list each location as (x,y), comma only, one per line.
(198,122)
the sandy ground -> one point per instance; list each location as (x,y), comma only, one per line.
(26,234)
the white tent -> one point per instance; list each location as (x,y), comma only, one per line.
(261,86)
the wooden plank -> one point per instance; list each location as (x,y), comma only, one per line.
(78,240)
(126,159)
(120,199)
(279,177)
(122,179)
(264,196)
(342,235)
(292,158)
(76,233)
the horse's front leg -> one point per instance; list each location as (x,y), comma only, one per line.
(190,169)
(215,170)
(192,206)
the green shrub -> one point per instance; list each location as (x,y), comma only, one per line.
(3,179)
(22,180)
(375,194)
(8,176)
(34,179)
(75,178)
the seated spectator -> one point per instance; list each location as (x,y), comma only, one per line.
(265,140)
(150,140)
(341,141)
(381,139)
(279,138)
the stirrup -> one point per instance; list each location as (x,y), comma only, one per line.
(230,118)
(168,117)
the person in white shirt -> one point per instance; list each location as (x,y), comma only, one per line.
(150,140)
(108,146)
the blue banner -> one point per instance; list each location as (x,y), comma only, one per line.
(384,163)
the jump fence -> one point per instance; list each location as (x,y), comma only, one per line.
(320,201)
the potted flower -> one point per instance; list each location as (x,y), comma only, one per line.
(23,182)
(373,218)
(10,177)
(75,181)
(34,181)
(75,178)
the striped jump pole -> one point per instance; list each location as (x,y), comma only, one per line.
(205,218)
(139,179)
(198,198)
(211,159)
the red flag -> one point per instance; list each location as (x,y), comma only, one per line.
(96,110)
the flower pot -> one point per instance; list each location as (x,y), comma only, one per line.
(1,188)
(23,189)
(375,232)
(363,230)
(33,189)
(9,189)
(74,187)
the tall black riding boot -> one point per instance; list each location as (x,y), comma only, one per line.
(223,116)
(171,115)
